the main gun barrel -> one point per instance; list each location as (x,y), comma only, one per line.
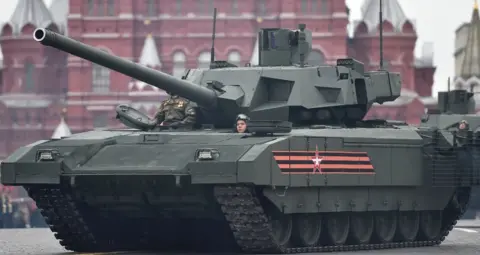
(196,93)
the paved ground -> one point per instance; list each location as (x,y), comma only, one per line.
(463,241)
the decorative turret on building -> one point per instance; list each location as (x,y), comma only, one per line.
(467,56)
(417,74)
(396,52)
(59,11)
(62,129)
(27,16)
(33,78)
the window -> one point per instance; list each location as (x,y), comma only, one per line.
(100,79)
(261,7)
(100,120)
(203,60)
(151,8)
(90,7)
(29,81)
(178,7)
(27,118)
(316,58)
(38,118)
(234,58)
(210,6)
(111,8)
(324,7)
(304,6)
(100,8)
(235,7)
(200,7)
(178,64)
(313,7)
(13,117)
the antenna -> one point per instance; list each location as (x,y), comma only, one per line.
(447,99)
(448,84)
(212,50)
(380,16)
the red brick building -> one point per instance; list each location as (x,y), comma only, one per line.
(173,35)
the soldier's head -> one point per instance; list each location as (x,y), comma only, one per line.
(241,123)
(171,94)
(463,125)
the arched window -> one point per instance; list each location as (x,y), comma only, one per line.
(204,60)
(234,58)
(100,79)
(29,81)
(179,62)
(316,58)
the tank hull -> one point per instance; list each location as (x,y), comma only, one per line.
(121,190)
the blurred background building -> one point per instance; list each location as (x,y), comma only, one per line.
(38,82)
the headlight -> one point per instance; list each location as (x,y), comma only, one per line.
(46,155)
(206,154)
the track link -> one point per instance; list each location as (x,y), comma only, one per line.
(253,233)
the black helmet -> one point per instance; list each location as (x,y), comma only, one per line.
(242,117)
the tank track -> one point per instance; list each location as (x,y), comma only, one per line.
(253,233)
(66,221)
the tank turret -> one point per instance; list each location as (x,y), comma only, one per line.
(284,87)
(457,101)
(454,108)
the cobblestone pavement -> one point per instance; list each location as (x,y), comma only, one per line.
(41,242)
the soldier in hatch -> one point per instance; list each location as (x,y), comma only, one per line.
(241,123)
(176,112)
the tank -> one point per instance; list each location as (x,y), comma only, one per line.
(310,176)
(455,112)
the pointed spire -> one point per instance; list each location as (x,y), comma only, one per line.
(254,58)
(62,129)
(475,15)
(59,10)
(471,61)
(392,12)
(149,56)
(30,12)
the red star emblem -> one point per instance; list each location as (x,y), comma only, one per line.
(316,161)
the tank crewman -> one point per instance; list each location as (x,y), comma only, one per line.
(463,129)
(241,123)
(176,111)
